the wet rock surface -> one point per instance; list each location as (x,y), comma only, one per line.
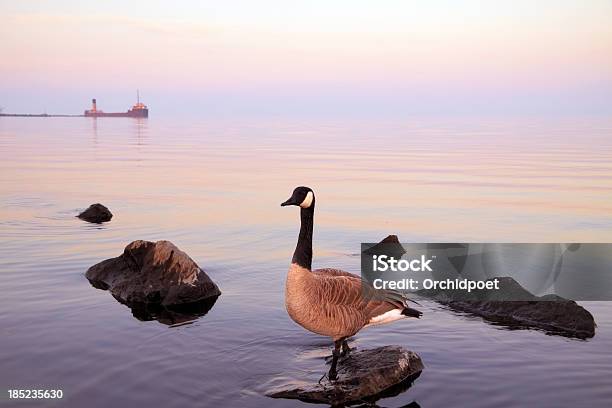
(390,246)
(515,307)
(96,213)
(366,375)
(153,275)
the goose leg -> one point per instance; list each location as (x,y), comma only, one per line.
(333,374)
(345,348)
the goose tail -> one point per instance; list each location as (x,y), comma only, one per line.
(400,297)
(410,312)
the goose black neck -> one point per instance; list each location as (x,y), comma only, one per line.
(303,251)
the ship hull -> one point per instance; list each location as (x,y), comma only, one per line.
(132,113)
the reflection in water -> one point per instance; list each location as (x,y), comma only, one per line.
(393,391)
(140,130)
(168,315)
(94,130)
(171,315)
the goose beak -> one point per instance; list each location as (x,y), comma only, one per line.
(288,202)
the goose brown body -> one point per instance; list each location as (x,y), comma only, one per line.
(334,303)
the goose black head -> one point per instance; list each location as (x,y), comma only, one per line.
(302,197)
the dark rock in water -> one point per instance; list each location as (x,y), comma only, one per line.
(96,213)
(365,375)
(151,274)
(390,246)
(514,306)
(390,239)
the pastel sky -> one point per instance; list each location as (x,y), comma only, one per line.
(315,57)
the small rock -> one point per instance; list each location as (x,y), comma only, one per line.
(364,375)
(96,213)
(153,273)
(514,306)
(390,239)
(390,246)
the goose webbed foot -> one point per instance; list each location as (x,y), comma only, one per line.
(322,377)
(332,374)
(326,375)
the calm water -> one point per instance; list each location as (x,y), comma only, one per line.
(214,188)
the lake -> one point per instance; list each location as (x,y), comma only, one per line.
(213,187)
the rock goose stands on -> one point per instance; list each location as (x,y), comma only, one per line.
(332,302)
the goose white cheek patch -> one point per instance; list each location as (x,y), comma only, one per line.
(307,201)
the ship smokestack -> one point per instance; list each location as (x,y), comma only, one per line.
(93,105)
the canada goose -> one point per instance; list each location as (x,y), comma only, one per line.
(332,302)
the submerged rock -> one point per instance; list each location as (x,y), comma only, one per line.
(364,375)
(514,306)
(96,213)
(153,273)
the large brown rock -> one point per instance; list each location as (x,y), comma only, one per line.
(514,306)
(365,375)
(153,273)
(96,213)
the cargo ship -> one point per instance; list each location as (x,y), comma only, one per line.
(139,110)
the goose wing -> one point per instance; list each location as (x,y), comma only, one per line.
(392,296)
(334,272)
(353,303)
